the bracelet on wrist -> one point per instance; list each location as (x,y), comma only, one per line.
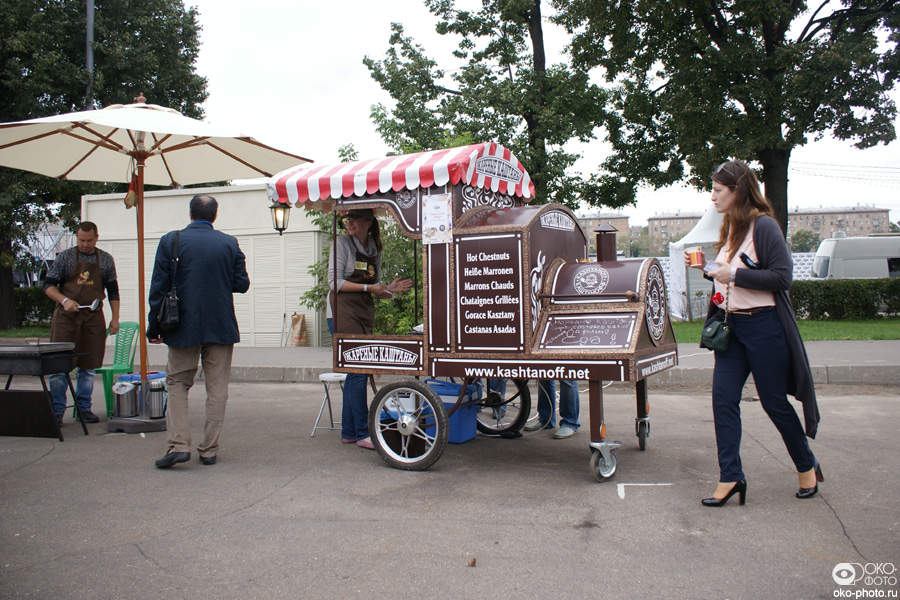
(365,287)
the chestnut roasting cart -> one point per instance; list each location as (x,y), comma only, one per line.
(508,294)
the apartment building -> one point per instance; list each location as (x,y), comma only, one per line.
(826,222)
(617,220)
(669,227)
(840,222)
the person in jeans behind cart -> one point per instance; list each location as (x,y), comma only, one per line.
(78,277)
(752,273)
(357,260)
(210,269)
(569,406)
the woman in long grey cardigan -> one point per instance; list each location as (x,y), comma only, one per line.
(751,275)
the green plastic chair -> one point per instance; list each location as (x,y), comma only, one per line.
(123,361)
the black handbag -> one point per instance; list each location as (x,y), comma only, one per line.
(169,318)
(716,333)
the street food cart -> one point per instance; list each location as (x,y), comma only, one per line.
(509,294)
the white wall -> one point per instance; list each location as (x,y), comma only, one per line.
(277,265)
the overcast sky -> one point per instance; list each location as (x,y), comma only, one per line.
(290,73)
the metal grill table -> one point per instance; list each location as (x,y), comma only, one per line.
(25,414)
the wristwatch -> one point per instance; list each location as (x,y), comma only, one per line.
(365,287)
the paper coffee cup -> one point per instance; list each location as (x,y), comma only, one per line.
(696,256)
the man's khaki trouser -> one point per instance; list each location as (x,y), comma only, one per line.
(180,372)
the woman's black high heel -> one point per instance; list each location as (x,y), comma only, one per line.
(804,493)
(740,488)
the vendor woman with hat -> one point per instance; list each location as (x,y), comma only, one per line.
(354,270)
(77,278)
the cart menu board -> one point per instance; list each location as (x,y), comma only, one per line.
(588,331)
(489,292)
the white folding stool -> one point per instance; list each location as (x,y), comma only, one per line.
(326,379)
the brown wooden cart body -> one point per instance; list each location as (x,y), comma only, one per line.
(514,296)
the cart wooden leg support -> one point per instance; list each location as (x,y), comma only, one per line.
(603,453)
(642,421)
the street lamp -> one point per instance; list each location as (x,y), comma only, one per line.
(281,214)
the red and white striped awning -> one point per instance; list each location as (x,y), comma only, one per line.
(487,165)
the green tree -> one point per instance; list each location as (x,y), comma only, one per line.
(804,240)
(640,246)
(501,90)
(894,227)
(700,81)
(149,46)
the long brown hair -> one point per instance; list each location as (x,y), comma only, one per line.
(748,204)
(375,233)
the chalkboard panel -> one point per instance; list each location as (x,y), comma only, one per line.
(588,331)
(489,292)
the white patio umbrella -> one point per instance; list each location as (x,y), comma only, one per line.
(159,145)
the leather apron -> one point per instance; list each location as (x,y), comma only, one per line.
(355,311)
(86,328)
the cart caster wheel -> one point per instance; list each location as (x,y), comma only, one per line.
(601,468)
(408,425)
(643,432)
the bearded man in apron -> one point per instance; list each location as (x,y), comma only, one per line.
(78,277)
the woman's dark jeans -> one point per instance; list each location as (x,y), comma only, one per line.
(757,346)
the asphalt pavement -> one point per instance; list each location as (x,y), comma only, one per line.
(286,515)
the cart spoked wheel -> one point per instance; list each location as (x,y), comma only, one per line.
(601,468)
(408,425)
(643,432)
(506,409)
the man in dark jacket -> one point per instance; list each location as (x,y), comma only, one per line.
(209,267)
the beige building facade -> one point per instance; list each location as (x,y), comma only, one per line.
(617,220)
(826,222)
(278,265)
(667,228)
(840,222)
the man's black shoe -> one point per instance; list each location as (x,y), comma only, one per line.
(172,458)
(89,417)
(208,460)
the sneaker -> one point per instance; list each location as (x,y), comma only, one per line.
(564,431)
(537,426)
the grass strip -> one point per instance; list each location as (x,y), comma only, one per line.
(813,331)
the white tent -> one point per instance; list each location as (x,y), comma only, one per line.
(687,283)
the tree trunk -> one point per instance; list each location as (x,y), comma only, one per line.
(775,178)
(7,300)
(536,137)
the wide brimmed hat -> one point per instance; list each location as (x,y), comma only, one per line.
(360,213)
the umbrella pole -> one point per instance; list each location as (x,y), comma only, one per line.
(142,319)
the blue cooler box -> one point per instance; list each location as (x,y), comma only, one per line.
(463,421)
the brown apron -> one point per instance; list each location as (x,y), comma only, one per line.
(86,328)
(355,311)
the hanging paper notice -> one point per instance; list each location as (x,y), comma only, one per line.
(436,221)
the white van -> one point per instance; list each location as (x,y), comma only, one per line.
(869,257)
